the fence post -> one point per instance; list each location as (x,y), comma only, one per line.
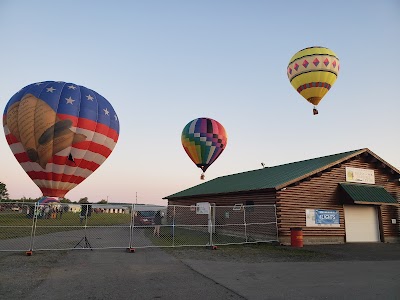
(173,228)
(245,223)
(210,225)
(276,225)
(132,224)
(33,231)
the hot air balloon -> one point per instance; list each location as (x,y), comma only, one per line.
(60,133)
(312,72)
(47,200)
(204,139)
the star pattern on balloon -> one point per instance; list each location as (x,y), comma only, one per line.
(70,100)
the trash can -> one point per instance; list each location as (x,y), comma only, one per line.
(296,237)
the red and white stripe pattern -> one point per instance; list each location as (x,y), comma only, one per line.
(61,175)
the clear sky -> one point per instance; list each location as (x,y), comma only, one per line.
(164,63)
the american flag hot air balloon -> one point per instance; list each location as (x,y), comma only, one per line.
(60,133)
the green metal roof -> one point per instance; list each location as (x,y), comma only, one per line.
(364,193)
(266,178)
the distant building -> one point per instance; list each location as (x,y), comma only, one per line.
(75,208)
(102,208)
(112,208)
(148,207)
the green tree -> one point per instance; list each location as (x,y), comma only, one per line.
(65,200)
(3,192)
(83,200)
(27,200)
(102,201)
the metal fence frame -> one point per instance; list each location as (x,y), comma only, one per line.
(203,224)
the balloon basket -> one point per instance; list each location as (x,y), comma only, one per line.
(29,253)
(202,176)
(315,111)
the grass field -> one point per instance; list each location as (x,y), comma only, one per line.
(180,236)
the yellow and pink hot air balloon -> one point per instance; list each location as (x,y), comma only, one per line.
(204,139)
(60,133)
(312,72)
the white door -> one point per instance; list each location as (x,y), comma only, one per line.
(361,223)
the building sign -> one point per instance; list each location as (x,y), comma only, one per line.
(326,217)
(360,175)
(202,208)
(322,218)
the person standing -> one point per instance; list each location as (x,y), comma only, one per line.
(157,223)
(46,214)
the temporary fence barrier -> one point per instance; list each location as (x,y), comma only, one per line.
(63,226)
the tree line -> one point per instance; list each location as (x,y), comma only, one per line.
(4,197)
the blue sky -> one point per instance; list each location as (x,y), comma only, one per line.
(162,64)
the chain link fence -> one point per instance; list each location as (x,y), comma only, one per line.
(63,226)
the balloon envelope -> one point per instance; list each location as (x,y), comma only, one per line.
(47,200)
(312,72)
(204,139)
(60,133)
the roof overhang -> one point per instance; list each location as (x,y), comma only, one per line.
(368,194)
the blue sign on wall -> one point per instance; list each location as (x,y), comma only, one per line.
(323,216)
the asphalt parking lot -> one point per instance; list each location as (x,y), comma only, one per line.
(350,271)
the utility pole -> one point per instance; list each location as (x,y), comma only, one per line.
(136,197)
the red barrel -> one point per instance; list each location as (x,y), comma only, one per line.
(296,237)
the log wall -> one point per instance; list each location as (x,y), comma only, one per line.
(323,192)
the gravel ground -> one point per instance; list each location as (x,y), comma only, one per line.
(257,253)
(20,274)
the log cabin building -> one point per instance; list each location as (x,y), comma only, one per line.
(345,197)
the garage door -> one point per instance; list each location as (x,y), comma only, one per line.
(361,223)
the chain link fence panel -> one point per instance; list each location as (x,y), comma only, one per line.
(61,226)
(15,226)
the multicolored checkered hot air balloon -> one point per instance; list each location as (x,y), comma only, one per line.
(204,139)
(60,133)
(312,72)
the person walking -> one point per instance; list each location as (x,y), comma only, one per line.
(157,224)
